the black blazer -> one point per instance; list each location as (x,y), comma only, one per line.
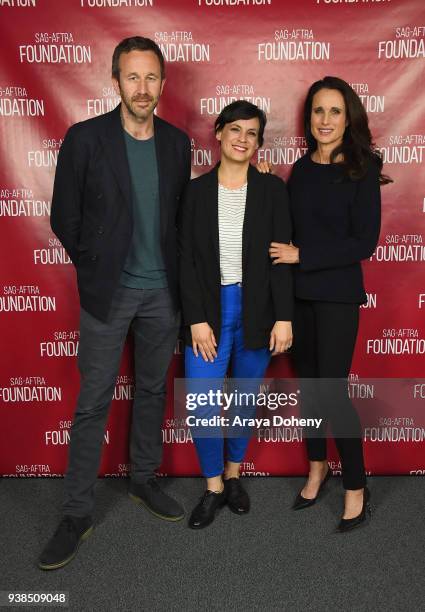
(92,205)
(267,289)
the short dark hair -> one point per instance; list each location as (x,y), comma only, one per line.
(357,147)
(241,109)
(136,43)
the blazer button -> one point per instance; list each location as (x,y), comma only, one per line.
(93,257)
(99,196)
(100,229)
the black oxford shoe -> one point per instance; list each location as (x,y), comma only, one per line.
(204,513)
(236,496)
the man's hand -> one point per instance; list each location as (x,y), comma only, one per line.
(203,340)
(284,253)
(281,337)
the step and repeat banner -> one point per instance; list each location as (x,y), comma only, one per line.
(55,71)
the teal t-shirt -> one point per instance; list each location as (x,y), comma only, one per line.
(144,267)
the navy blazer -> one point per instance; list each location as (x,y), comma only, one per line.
(92,211)
(267,289)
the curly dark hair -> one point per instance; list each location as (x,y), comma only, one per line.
(357,148)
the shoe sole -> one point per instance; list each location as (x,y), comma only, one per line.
(140,501)
(53,566)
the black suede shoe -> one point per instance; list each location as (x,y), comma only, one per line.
(155,500)
(236,496)
(63,546)
(302,502)
(204,513)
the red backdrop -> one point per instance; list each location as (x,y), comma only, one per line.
(55,70)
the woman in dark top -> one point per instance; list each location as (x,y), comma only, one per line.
(335,205)
(237,306)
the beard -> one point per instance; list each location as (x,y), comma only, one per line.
(131,104)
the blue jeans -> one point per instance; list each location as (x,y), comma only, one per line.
(245,364)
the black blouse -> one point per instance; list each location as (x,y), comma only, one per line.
(336,224)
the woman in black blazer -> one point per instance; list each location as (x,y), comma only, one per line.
(335,205)
(237,306)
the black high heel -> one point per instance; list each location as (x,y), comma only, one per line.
(302,502)
(349,524)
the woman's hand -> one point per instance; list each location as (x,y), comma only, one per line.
(284,253)
(203,340)
(265,168)
(281,337)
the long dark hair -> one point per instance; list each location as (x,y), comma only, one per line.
(357,148)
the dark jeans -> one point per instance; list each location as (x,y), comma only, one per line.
(154,322)
(324,339)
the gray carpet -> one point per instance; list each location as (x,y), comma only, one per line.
(271,559)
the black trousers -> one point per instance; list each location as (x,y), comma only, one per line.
(151,316)
(324,339)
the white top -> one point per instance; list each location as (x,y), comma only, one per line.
(231,212)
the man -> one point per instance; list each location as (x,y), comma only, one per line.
(117,187)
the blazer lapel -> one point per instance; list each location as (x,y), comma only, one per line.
(211,205)
(114,147)
(164,168)
(254,198)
